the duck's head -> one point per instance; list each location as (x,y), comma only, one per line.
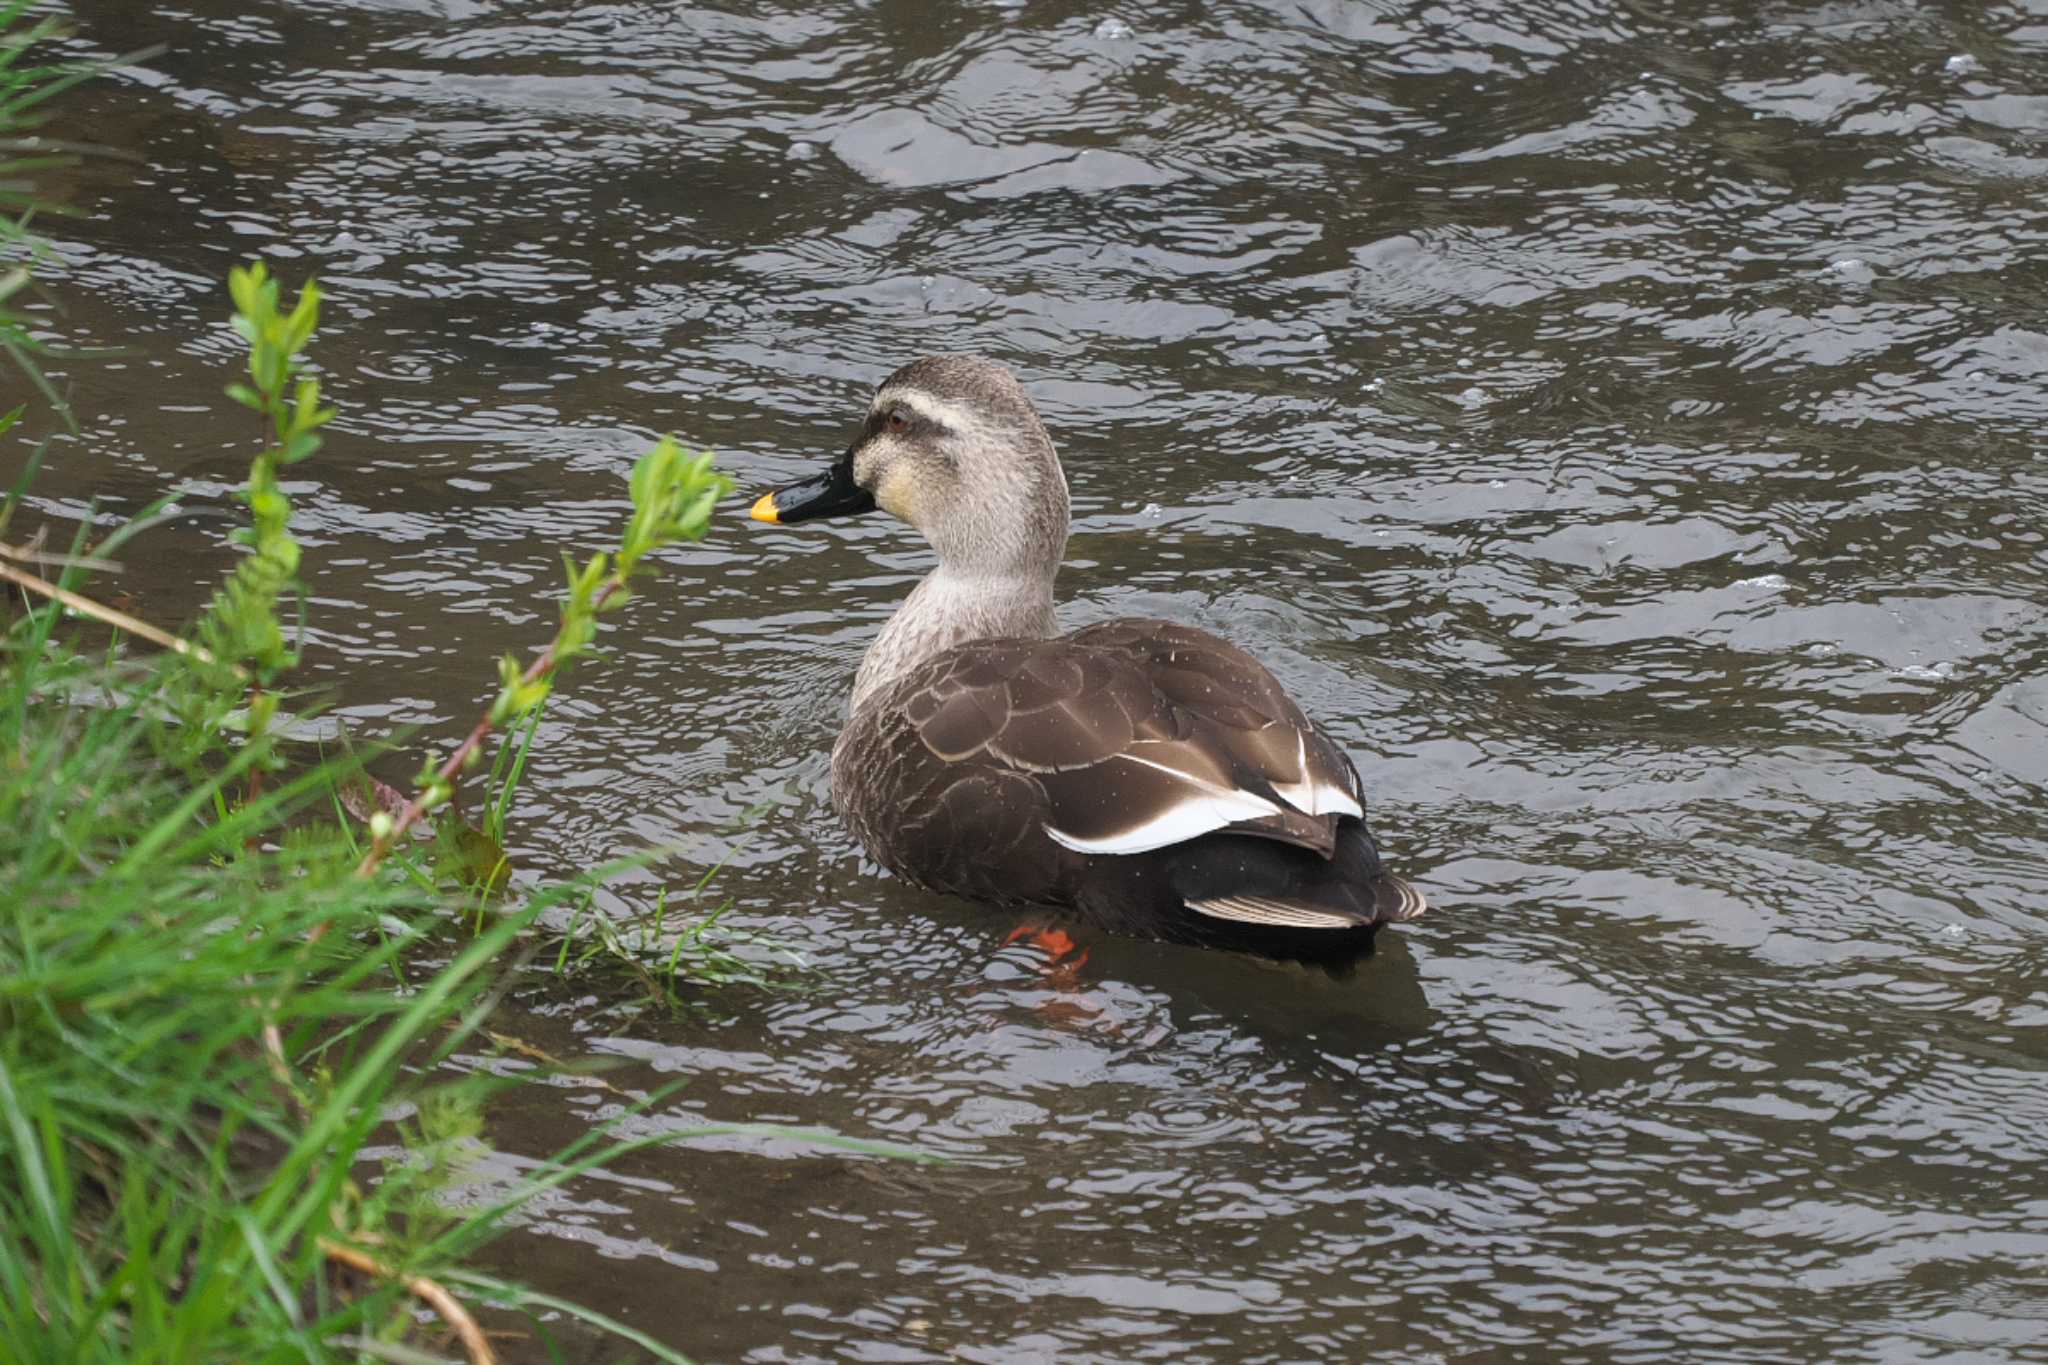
(952,445)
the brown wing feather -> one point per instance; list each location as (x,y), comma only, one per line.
(1129,726)
(1250,718)
(966,825)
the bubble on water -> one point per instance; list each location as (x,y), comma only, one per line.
(1375,385)
(1111,30)
(1763,582)
(1473,397)
(1940,672)
(1151,511)
(1962,64)
(1496,483)
(1465,364)
(1955,933)
(1974,376)
(1823,649)
(1849,265)
(1380,534)
(800,150)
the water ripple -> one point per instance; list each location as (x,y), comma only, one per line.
(1621,427)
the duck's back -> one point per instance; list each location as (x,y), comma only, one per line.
(1150,775)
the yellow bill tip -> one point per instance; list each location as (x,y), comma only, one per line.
(764,509)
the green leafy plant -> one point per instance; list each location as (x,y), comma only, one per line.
(673,494)
(242,626)
(201,1020)
(667,951)
(241,637)
(210,997)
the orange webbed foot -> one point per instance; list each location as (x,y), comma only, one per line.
(1068,1004)
(1056,944)
(1064,958)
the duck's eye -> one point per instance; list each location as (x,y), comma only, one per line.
(898,420)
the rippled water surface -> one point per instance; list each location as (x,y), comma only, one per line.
(1625,425)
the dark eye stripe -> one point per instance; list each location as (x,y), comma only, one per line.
(915,423)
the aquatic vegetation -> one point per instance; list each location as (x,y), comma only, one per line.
(207,1009)
(211,997)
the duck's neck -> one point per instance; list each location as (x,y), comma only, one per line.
(950,608)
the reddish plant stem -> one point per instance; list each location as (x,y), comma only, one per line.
(450,770)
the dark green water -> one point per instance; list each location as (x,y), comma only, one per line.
(1626,426)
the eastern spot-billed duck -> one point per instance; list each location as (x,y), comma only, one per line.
(1145,776)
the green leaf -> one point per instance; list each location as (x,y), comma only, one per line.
(304,317)
(268,505)
(697,519)
(469,857)
(244,283)
(529,695)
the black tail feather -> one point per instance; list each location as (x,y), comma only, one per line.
(1263,896)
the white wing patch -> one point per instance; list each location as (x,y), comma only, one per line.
(1311,797)
(1205,806)
(1280,914)
(1186,819)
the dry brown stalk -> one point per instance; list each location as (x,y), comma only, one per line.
(548,1059)
(433,1295)
(33,553)
(120,620)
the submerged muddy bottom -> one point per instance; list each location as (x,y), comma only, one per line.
(1627,433)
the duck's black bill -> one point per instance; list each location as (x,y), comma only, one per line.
(831,494)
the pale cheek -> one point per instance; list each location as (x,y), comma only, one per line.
(897,495)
